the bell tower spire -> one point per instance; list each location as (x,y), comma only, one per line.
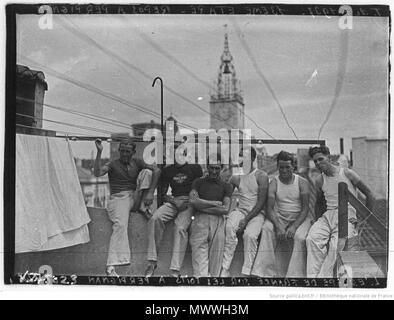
(227,84)
(226,99)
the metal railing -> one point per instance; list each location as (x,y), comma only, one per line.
(344,198)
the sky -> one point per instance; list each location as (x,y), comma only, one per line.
(303,58)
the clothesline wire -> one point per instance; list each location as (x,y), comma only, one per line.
(66,124)
(91,138)
(113,55)
(64,132)
(88,115)
(96,90)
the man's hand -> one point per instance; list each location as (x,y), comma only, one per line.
(290,231)
(181,205)
(148,199)
(169,199)
(241,227)
(280,232)
(99,145)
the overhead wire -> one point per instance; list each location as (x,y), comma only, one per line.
(342,63)
(60,131)
(95,89)
(65,123)
(102,119)
(112,54)
(194,76)
(261,75)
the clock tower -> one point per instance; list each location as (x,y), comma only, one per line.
(226,105)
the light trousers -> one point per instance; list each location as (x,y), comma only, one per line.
(250,240)
(207,242)
(270,259)
(118,208)
(322,245)
(156,226)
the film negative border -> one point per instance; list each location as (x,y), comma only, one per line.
(205,9)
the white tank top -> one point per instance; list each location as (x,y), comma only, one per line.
(248,192)
(330,189)
(288,199)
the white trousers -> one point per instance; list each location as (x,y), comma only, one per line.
(271,258)
(118,207)
(207,243)
(322,245)
(156,226)
(250,240)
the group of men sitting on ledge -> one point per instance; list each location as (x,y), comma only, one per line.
(265,213)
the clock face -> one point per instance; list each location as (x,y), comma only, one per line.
(223,113)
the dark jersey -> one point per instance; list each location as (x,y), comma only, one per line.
(180,178)
(213,190)
(124,177)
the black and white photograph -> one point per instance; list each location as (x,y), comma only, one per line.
(197,145)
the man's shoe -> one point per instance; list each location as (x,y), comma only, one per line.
(110,271)
(224,273)
(175,273)
(150,270)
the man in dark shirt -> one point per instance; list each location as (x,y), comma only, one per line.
(122,174)
(176,206)
(210,196)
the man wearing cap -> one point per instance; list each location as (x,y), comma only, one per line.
(123,174)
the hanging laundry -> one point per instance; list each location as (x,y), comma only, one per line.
(50,211)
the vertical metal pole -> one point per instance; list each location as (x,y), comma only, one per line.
(342,210)
(341,148)
(159,187)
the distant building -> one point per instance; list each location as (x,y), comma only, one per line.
(140,128)
(226,105)
(370,161)
(136,135)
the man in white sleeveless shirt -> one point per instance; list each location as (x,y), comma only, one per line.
(322,241)
(287,211)
(247,218)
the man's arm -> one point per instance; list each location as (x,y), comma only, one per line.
(234,181)
(201,204)
(359,184)
(219,210)
(99,170)
(271,203)
(263,184)
(155,180)
(155,177)
(165,183)
(320,205)
(304,195)
(271,215)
